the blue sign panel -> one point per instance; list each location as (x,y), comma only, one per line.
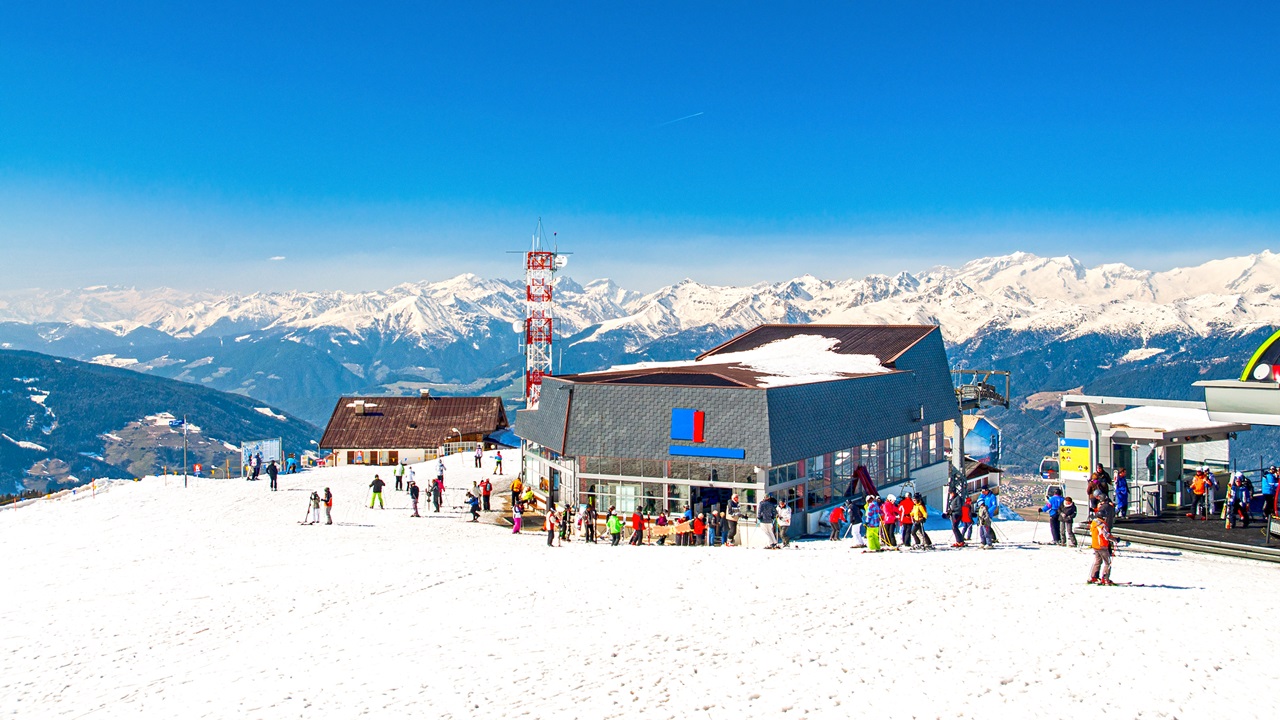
(709,452)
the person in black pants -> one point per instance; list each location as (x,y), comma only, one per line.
(413,495)
(955,507)
(589,524)
(273,471)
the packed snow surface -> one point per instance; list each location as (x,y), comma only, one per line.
(151,600)
(1167,419)
(790,361)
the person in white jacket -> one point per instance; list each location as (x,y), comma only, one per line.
(784,523)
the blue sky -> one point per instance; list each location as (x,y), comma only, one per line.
(370,144)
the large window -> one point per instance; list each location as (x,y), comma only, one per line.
(895,458)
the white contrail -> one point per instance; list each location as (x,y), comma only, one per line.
(686,117)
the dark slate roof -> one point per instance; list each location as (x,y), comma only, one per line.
(886,342)
(410,422)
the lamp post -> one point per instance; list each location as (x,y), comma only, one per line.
(458,432)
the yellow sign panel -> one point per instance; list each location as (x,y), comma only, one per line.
(1074,461)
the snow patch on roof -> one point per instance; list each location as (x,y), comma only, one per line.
(1165,419)
(795,360)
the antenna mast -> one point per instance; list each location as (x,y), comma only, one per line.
(540,265)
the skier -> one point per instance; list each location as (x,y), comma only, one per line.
(637,528)
(440,468)
(437,493)
(700,530)
(905,507)
(889,521)
(486,488)
(1122,493)
(954,508)
(836,520)
(766,513)
(315,509)
(1067,514)
(413,497)
(732,516)
(399,473)
(985,534)
(328,507)
(661,523)
(919,514)
(784,524)
(473,503)
(1051,506)
(497,463)
(1269,484)
(566,524)
(553,520)
(256,464)
(409,474)
(479,457)
(589,524)
(871,520)
(1240,498)
(614,525)
(273,472)
(1100,541)
(992,502)
(966,519)
(517,518)
(516,487)
(377,486)
(1199,485)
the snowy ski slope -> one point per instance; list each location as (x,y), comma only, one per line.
(213,602)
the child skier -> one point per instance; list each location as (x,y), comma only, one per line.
(1100,536)
(984,525)
(517,518)
(473,502)
(871,521)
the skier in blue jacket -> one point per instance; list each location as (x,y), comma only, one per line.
(1269,492)
(1122,493)
(1052,505)
(991,501)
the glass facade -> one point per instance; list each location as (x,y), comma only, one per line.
(813,482)
(828,476)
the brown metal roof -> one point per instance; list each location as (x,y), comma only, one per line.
(391,423)
(886,342)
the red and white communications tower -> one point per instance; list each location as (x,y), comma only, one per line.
(540,265)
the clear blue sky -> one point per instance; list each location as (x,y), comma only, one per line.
(371,144)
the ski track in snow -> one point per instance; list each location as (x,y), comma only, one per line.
(212,602)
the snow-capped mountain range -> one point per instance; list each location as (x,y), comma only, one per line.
(1015,292)
(1056,323)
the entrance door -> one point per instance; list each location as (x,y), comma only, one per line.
(351,457)
(393,457)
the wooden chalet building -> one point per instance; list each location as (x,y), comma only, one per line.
(386,430)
